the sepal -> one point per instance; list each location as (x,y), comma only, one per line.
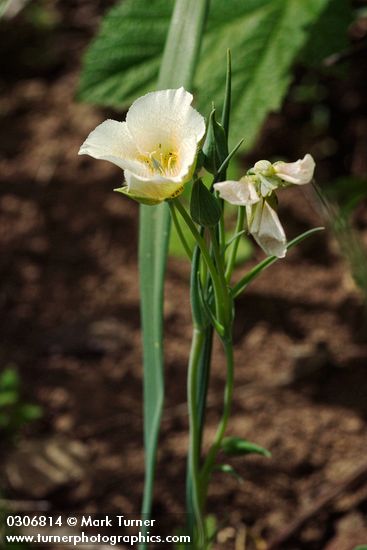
(142,200)
(215,148)
(204,206)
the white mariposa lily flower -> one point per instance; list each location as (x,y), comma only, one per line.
(262,220)
(156,146)
(255,191)
(265,227)
(299,172)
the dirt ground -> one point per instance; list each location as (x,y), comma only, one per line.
(69,309)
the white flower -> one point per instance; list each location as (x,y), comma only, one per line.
(256,190)
(241,192)
(299,172)
(262,221)
(265,227)
(156,147)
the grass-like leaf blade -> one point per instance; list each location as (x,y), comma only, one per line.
(259,268)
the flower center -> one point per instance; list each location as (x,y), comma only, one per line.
(160,161)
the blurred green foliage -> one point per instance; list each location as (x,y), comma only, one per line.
(340,200)
(347,193)
(14,413)
(329,33)
(265,37)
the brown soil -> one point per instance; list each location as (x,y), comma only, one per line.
(69,306)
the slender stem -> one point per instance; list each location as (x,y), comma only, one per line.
(228,394)
(222,229)
(180,233)
(234,247)
(195,435)
(204,376)
(219,264)
(219,292)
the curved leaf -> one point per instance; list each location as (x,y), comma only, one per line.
(238,446)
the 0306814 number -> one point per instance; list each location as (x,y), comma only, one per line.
(33,521)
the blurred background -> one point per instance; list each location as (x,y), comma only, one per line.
(70,351)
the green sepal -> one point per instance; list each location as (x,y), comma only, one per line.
(235,446)
(142,200)
(215,148)
(200,159)
(228,469)
(204,206)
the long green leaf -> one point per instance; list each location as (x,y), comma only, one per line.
(265,38)
(178,66)
(234,446)
(259,268)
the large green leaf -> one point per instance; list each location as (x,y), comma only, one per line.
(329,36)
(265,36)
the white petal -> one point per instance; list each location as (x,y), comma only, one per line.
(240,193)
(164,117)
(262,166)
(299,172)
(267,185)
(112,141)
(187,154)
(267,230)
(158,187)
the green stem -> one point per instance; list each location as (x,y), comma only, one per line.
(228,394)
(179,231)
(222,279)
(219,292)
(204,376)
(200,323)
(234,247)
(194,447)
(222,229)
